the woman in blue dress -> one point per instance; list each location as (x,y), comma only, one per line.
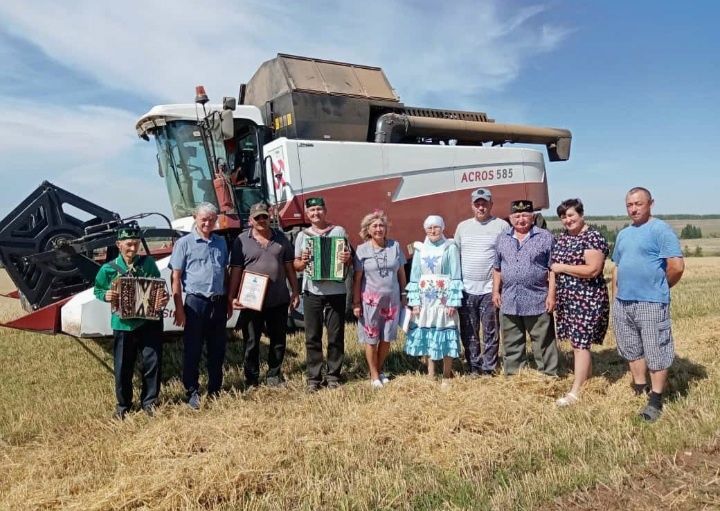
(435,293)
(377,298)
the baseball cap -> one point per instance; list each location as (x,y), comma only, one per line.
(481,193)
(259,209)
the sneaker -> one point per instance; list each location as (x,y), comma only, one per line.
(149,410)
(275,381)
(384,379)
(445,385)
(333,384)
(487,374)
(194,401)
(312,387)
(376,384)
(568,399)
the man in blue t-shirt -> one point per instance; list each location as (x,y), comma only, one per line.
(648,262)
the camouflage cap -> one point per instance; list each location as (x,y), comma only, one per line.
(258,209)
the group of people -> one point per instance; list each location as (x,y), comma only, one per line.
(492,277)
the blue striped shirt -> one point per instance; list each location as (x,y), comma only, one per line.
(477,241)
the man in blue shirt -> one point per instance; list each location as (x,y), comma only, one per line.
(648,262)
(524,291)
(199,266)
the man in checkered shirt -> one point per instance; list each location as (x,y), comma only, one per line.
(648,262)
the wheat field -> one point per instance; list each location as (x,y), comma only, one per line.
(495,443)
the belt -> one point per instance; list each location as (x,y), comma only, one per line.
(211,298)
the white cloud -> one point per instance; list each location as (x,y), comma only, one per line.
(91,151)
(163,49)
(36,128)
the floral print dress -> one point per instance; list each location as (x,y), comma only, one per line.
(582,307)
(380,291)
(435,284)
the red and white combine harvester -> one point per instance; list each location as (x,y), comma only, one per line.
(300,127)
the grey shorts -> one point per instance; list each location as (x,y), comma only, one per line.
(642,330)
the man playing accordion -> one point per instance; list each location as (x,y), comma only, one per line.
(134,335)
(321,294)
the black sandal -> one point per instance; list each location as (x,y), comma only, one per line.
(650,413)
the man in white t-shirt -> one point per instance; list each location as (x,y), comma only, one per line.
(476,237)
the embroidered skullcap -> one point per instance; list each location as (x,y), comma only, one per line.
(314,201)
(521,206)
(128,233)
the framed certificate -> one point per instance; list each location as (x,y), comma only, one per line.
(252,290)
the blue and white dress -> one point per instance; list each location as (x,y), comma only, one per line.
(435,284)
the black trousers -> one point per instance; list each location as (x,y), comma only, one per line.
(274,319)
(313,308)
(205,322)
(146,340)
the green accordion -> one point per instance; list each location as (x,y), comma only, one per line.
(325,263)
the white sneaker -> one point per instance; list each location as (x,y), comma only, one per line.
(445,385)
(384,379)
(376,384)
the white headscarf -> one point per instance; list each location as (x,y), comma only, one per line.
(433,220)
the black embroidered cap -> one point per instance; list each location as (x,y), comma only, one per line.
(521,206)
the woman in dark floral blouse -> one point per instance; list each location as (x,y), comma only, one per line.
(582,307)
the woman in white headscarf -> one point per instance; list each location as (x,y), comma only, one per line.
(435,293)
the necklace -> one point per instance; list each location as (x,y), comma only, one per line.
(381,261)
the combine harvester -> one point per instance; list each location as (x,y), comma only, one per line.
(300,127)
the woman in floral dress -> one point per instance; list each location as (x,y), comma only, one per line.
(582,306)
(435,293)
(377,298)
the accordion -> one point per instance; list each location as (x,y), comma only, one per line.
(139,297)
(325,263)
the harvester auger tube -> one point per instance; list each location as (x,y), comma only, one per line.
(393,127)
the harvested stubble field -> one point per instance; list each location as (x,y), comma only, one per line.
(481,444)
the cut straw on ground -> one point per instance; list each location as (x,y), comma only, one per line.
(496,443)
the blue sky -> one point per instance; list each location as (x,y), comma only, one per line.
(637,83)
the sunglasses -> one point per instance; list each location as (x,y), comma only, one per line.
(260,217)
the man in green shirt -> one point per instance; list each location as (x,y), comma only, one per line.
(132,335)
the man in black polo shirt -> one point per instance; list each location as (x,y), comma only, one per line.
(264,250)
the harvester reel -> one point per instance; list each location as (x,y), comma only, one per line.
(34,244)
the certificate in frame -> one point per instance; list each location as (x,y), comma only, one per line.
(252,290)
